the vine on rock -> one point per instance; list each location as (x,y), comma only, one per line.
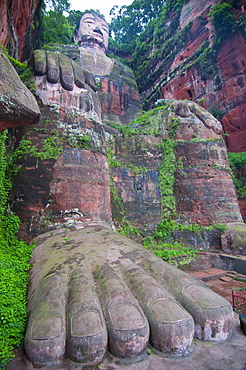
(14,267)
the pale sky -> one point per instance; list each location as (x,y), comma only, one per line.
(103,5)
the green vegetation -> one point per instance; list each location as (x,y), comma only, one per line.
(128,22)
(14,266)
(125,227)
(81,142)
(166,227)
(223,20)
(58,28)
(161,241)
(55,25)
(25,73)
(238,165)
(112,162)
(150,122)
(51,147)
(167,179)
(217,112)
(171,251)
(125,130)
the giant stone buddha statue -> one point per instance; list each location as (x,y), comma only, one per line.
(92,290)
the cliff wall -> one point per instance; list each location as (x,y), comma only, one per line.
(17,31)
(183,59)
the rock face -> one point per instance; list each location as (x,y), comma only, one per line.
(68,184)
(231,61)
(202,189)
(193,9)
(233,240)
(18,107)
(72,185)
(16,19)
(151,180)
(178,67)
(119,95)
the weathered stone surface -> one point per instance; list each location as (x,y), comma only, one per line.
(84,100)
(128,328)
(171,327)
(17,18)
(204,172)
(77,272)
(95,62)
(136,180)
(119,95)
(87,332)
(242,318)
(92,32)
(4,21)
(176,72)
(118,266)
(234,239)
(203,187)
(205,164)
(107,95)
(231,62)
(229,354)
(113,80)
(80,295)
(80,185)
(193,9)
(74,187)
(18,106)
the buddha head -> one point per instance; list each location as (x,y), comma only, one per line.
(92,32)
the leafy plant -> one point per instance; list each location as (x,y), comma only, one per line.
(25,73)
(14,266)
(167,179)
(81,142)
(223,20)
(238,165)
(169,251)
(217,112)
(126,228)
(51,148)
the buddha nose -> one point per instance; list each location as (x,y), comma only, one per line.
(98,30)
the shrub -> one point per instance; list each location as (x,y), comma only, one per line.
(14,266)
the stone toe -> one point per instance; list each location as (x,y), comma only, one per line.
(45,338)
(87,337)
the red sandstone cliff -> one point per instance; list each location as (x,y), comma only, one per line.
(178,67)
(16,31)
(183,59)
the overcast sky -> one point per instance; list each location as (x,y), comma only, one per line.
(103,5)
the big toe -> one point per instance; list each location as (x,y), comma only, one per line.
(45,338)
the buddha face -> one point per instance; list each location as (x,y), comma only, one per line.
(93,32)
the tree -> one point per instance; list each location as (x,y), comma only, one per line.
(129,21)
(56,28)
(223,20)
(57,5)
(74,17)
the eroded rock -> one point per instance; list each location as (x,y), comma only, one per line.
(234,239)
(18,107)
